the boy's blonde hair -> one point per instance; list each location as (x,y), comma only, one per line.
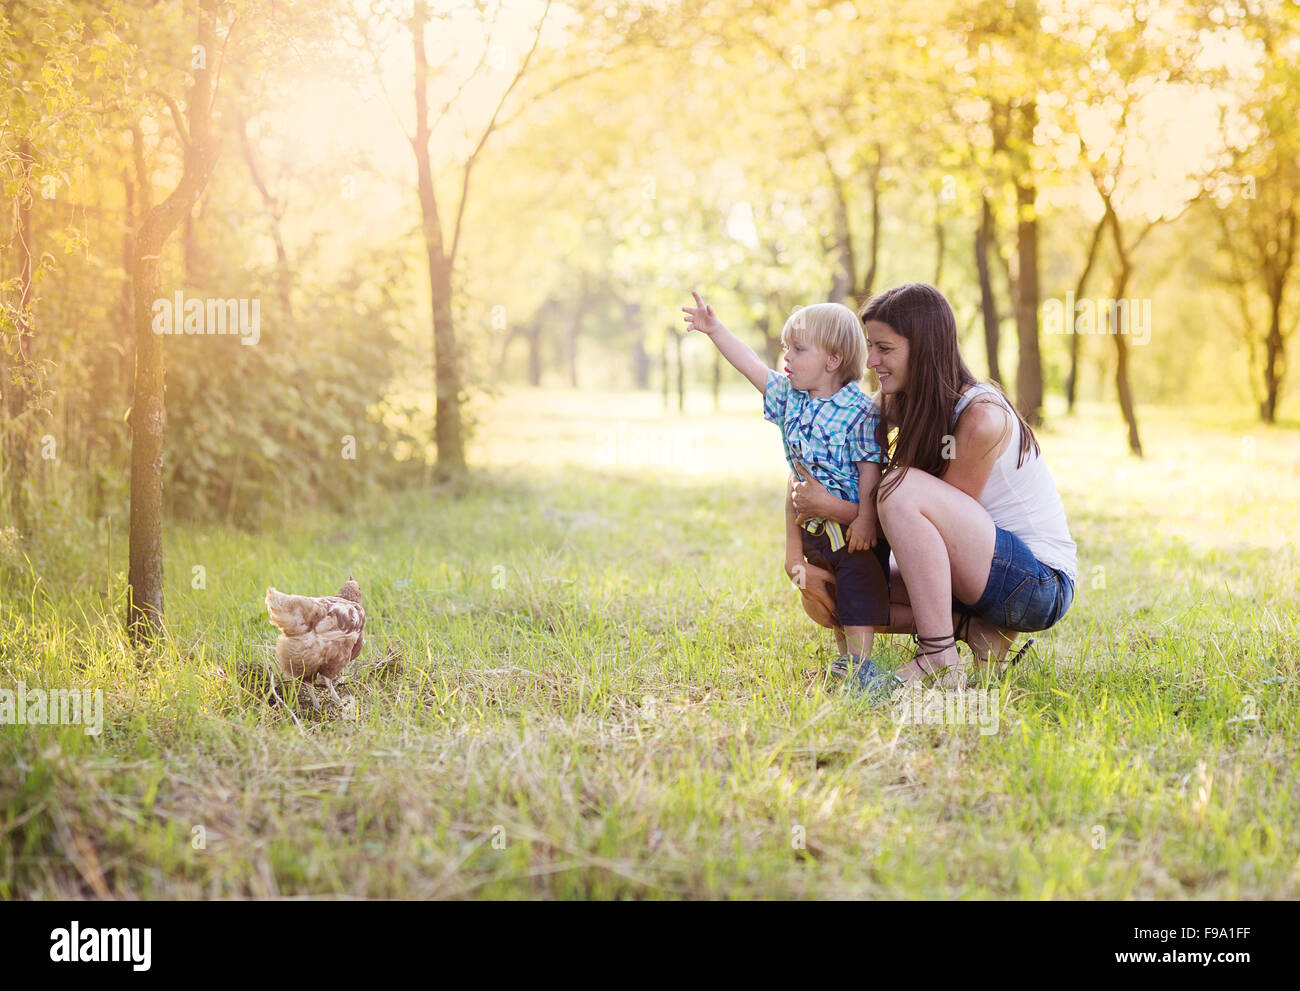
(835,329)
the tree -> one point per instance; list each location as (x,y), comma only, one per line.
(1109,99)
(1005,62)
(148,410)
(441,245)
(1258,217)
(840,88)
(44,128)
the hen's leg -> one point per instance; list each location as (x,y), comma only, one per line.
(311,693)
(330,684)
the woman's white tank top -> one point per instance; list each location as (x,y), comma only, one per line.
(1024,500)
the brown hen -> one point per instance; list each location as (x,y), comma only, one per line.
(318,635)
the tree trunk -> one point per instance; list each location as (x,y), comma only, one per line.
(275,214)
(988,302)
(873,246)
(126,302)
(1125,394)
(148,410)
(1119,287)
(1278,255)
(940,235)
(146,418)
(771,344)
(448,431)
(111,371)
(1000,125)
(681,372)
(191,253)
(842,282)
(640,360)
(666,376)
(1029,372)
(140,207)
(1274,349)
(1072,380)
(19,385)
(575,327)
(535,355)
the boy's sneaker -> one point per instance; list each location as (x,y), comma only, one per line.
(871,683)
(841,666)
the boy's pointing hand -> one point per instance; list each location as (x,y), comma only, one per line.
(701,317)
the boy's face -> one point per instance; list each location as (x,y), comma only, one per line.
(809,366)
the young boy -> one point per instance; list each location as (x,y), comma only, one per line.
(828,426)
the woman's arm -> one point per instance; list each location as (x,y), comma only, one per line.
(815,584)
(793,543)
(811,498)
(982,434)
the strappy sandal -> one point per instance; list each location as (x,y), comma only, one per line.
(877,685)
(963,631)
(963,626)
(1020,653)
(927,646)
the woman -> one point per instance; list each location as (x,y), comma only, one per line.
(967,503)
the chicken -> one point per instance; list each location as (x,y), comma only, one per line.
(318,636)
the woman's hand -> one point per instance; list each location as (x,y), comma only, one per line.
(811,498)
(817,586)
(796,569)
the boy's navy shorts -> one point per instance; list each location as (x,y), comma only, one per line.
(861,578)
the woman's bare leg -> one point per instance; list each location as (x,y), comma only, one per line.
(943,542)
(987,642)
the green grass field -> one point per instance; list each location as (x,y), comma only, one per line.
(587,676)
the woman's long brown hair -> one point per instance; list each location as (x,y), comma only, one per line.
(936,379)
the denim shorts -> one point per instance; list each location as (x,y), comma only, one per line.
(1022,594)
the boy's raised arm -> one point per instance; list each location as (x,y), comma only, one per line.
(702,318)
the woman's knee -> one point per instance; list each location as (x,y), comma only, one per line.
(900,499)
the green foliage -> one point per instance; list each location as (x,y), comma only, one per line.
(296,419)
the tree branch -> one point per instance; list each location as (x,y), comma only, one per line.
(177,117)
(492,123)
(474,72)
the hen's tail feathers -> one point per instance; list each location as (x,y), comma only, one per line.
(291,613)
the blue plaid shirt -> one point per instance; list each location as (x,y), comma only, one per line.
(828,435)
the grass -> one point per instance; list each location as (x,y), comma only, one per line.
(587,677)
